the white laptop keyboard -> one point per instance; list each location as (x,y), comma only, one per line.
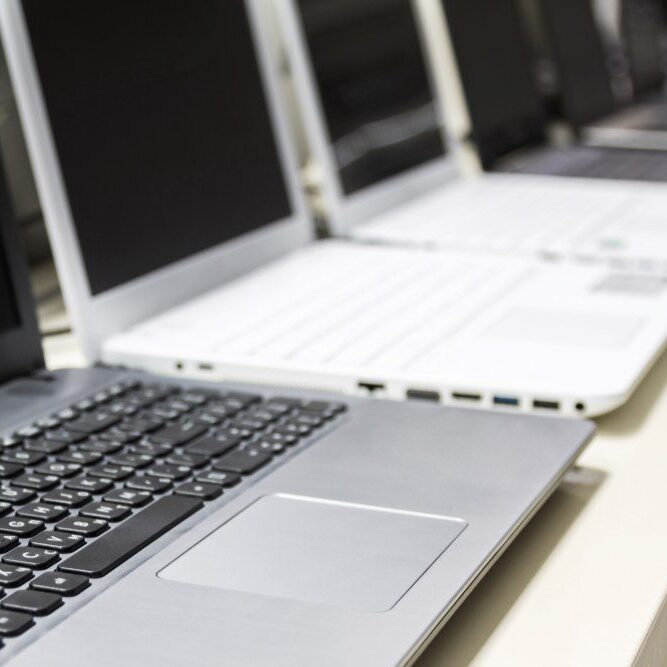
(533,216)
(339,304)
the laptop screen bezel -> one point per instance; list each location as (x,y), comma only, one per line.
(345,212)
(20,346)
(97,317)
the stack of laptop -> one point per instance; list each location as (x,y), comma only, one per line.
(147,520)
(168,181)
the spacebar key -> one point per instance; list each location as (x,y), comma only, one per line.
(130,537)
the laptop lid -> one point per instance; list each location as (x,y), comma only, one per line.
(497,72)
(161,156)
(20,341)
(370,107)
(579,54)
(642,28)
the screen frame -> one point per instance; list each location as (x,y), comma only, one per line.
(344,212)
(20,347)
(97,318)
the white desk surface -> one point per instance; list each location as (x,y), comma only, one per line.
(585,581)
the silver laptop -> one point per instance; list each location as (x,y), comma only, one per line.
(516,140)
(170,193)
(150,523)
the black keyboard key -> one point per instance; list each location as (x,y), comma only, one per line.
(49,423)
(13,623)
(9,442)
(153,447)
(22,457)
(179,434)
(12,576)
(119,437)
(150,484)
(187,459)
(102,447)
(142,426)
(45,446)
(67,414)
(213,446)
(199,490)
(107,471)
(33,557)
(8,542)
(56,540)
(42,512)
(242,398)
(129,497)
(59,469)
(106,511)
(16,496)
(218,477)
(131,459)
(64,436)
(35,603)
(67,498)
(90,484)
(5,508)
(268,446)
(10,469)
(170,471)
(243,462)
(325,407)
(20,527)
(93,423)
(80,525)
(79,456)
(35,482)
(60,583)
(28,432)
(109,551)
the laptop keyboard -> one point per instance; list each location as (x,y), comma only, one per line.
(90,486)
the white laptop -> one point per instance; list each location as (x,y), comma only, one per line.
(183,247)
(373,113)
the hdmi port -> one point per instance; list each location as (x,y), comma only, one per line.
(371,387)
(460,396)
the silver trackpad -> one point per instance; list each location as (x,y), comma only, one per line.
(316,550)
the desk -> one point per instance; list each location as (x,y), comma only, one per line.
(584,584)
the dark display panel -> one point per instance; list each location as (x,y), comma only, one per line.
(374,86)
(161,126)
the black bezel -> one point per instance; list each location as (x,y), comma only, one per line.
(21,347)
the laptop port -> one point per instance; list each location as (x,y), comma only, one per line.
(462,396)
(546,405)
(205,367)
(423,395)
(508,401)
(580,407)
(371,387)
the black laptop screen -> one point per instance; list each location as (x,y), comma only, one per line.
(9,316)
(496,67)
(643,29)
(581,60)
(161,126)
(373,83)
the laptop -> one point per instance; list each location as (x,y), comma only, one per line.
(520,143)
(387,171)
(642,121)
(183,248)
(143,520)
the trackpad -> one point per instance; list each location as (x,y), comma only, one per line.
(320,551)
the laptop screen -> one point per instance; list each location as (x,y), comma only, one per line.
(496,68)
(643,29)
(161,126)
(9,314)
(581,60)
(374,87)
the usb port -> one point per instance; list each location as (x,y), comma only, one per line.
(461,396)
(506,400)
(546,405)
(205,367)
(423,395)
